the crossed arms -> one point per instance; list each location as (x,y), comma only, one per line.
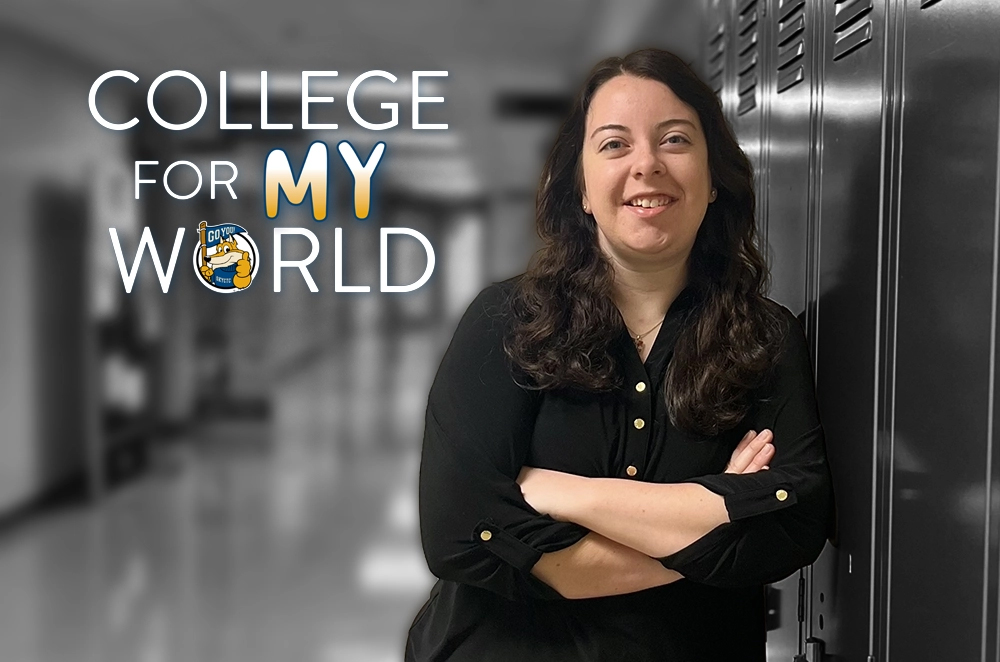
(536,534)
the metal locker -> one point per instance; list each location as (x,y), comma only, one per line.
(873,127)
(746,91)
(853,99)
(805,96)
(789,130)
(789,92)
(942,560)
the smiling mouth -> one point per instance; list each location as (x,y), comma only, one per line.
(650,202)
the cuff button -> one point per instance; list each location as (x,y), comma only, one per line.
(781,495)
(631,470)
(485,535)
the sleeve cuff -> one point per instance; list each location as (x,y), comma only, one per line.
(747,498)
(515,552)
(507,547)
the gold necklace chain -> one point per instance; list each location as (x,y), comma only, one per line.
(637,337)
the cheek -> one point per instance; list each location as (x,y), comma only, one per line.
(603,186)
(590,180)
(695,176)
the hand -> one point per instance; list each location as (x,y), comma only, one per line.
(549,492)
(242,278)
(752,453)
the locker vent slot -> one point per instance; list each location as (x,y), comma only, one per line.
(852,27)
(927,3)
(786,7)
(717,58)
(791,45)
(747,57)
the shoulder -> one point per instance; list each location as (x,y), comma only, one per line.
(486,320)
(791,326)
(491,307)
(476,353)
(786,315)
(794,357)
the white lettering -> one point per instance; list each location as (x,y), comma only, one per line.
(302,265)
(128,276)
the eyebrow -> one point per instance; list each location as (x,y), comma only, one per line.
(620,127)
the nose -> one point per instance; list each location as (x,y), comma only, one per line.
(647,161)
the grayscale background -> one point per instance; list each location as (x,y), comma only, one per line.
(193,477)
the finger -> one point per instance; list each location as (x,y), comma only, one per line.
(761,459)
(735,465)
(746,456)
(744,442)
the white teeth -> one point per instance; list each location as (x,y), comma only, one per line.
(650,202)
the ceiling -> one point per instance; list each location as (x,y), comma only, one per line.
(489,48)
(202,36)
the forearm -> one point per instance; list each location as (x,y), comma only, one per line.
(656,519)
(597,567)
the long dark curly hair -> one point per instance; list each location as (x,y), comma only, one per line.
(563,315)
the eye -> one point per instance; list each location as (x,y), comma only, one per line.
(225,249)
(676,139)
(614,143)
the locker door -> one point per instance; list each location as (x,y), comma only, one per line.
(941,566)
(789,148)
(844,324)
(785,192)
(746,99)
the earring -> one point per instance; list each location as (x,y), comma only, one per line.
(586,208)
(715,194)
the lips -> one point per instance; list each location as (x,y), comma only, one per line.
(649,200)
(649,204)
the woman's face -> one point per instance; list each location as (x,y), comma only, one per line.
(645,172)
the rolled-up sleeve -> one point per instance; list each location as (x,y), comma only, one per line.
(779,518)
(475,525)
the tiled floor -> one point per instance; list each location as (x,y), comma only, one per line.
(251,544)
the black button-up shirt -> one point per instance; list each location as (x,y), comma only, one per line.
(482,539)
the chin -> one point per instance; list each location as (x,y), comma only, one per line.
(658,251)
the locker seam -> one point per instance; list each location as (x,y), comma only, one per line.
(990,418)
(989,437)
(899,108)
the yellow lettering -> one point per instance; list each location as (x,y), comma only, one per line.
(313,179)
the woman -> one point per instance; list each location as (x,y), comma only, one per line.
(593,484)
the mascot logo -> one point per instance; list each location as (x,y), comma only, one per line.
(225,257)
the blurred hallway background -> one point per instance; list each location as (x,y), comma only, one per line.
(196,478)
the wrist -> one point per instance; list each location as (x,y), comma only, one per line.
(716,505)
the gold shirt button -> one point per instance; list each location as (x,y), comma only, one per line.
(639,423)
(485,535)
(640,387)
(781,495)
(631,471)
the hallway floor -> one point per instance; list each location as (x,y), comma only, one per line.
(233,548)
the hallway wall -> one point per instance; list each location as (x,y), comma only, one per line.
(48,141)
